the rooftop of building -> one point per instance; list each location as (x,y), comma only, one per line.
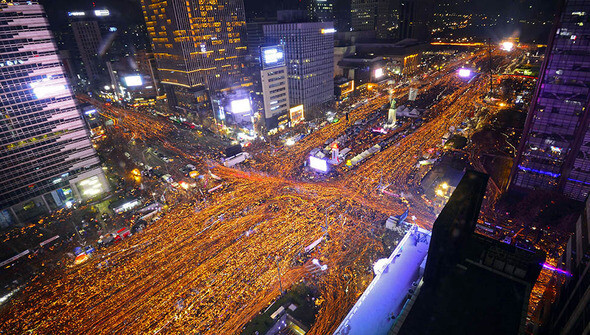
(472,284)
(390,48)
(469,300)
(360,60)
(375,311)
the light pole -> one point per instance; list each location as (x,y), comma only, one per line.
(490,58)
(279,272)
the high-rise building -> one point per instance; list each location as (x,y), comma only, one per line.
(322,10)
(146,63)
(375,15)
(196,44)
(46,158)
(95,42)
(342,15)
(309,54)
(414,16)
(386,24)
(275,89)
(570,313)
(88,39)
(363,15)
(554,152)
(256,37)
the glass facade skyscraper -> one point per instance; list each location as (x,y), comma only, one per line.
(554,152)
(309,56)
(46,157)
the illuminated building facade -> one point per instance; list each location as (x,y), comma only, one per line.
(275,89)
(309,55)
(554,152)
(46,158)
(197,44)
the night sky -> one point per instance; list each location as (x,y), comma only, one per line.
(130,10)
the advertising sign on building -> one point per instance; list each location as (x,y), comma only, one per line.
(296,114)
(272,56)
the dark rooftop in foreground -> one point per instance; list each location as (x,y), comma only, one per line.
(472,284)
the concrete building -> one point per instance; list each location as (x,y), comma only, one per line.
(146,66)
(88,39)
(309,55)
(275,88)
(403,57)
(363,69)
(554,152)
(196,45)
(96,41)
(46,158)
(342,49)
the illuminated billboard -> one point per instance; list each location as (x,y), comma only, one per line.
(296,114)
(76,14)
(90,187)
(240,106)
(318,164)
(131,81)
(328,31)
(102,12)
(378,73)
(272,56)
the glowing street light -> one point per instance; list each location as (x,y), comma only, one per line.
(440,193)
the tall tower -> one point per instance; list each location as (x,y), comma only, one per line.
(414,18)
(197,44)
(88,39)
(363,14)
(322,10)
(46,158)
(309,54)
(554,152)
(374,15)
